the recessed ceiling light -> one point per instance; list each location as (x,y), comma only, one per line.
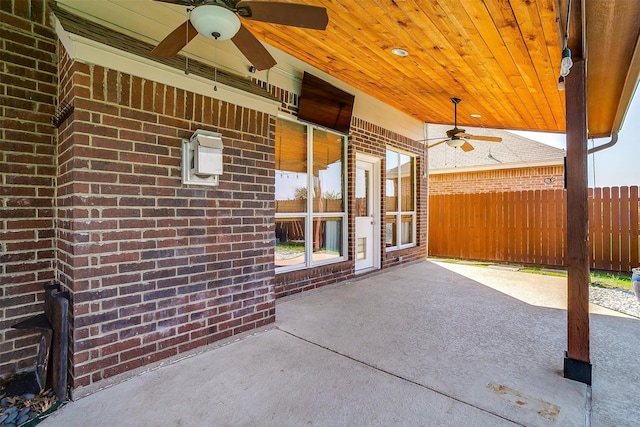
(476,116)
(399,52)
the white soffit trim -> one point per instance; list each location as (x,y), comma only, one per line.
(482,168)
(91,52)
(630,87)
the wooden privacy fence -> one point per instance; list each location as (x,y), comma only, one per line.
(529,227)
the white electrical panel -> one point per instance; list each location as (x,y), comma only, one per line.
(202,158)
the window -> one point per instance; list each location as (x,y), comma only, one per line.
(400,218)
(310,207)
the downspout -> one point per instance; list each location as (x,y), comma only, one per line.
(614,139)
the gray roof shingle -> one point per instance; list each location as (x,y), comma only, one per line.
(513,149)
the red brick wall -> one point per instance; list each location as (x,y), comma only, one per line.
(156,268)
(27,173)
(288,100)
(500,180)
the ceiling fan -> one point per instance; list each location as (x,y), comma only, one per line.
(218,20)
(457,137)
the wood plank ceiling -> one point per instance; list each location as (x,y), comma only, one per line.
(501,57)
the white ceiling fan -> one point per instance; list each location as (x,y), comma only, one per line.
(219,20)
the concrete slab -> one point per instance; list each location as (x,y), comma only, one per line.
(615,342)
(534,289)
(615,353)
(450,334)
(424,344)
(269,379)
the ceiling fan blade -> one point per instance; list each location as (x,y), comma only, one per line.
(466,147)
(293,14)
(175,41)
(481,138)
(252,49)
(437,143)
(429,139)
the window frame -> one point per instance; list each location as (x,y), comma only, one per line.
(310,216)
(399,213)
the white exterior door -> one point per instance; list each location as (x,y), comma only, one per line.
(367,242)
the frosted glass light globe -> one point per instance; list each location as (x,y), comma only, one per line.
(215,22)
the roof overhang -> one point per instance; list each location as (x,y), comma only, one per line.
(502,57)
(612,40)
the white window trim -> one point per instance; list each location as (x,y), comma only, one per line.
(309,215)
(399,214)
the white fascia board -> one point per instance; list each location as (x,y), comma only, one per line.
(481,168)
(88,51)
(630,87)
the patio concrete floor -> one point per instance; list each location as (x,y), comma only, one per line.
(425,344)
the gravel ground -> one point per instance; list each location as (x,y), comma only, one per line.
(615,299)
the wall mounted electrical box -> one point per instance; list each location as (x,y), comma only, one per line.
(202,158)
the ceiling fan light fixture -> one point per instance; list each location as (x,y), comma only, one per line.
(455,142)
(215,22)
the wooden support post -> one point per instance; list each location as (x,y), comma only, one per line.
(577,365)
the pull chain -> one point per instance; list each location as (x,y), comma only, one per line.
(215,61)
(186,58)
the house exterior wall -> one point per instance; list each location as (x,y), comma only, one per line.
(28,85)
(497,180)
(371,139)
(154,268)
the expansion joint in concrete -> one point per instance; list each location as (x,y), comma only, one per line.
(400,377)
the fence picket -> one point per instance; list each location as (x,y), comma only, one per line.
(510,235)
(562,230)
(615,229)
(520,226)
(545,243)
(596,230)
(625,238)
(494,219)
(501,221)
(549,235)
(634,214)
(537,221)
(590,212)
(606,227)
